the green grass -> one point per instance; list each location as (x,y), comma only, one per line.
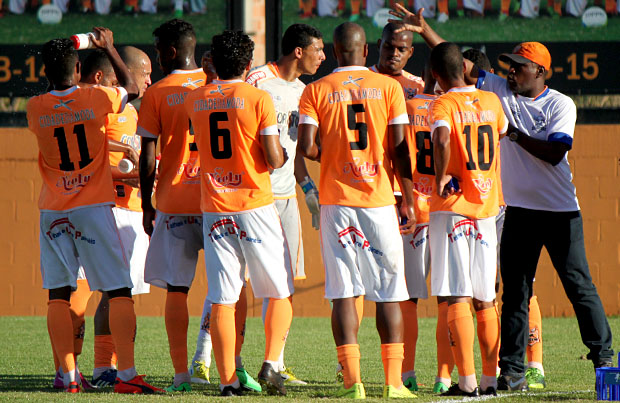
(26,367)
(24,29)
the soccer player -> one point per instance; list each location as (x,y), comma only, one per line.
(462,222)
(535,373)
(76,218)
(360,117)
(302,48)
(238,142)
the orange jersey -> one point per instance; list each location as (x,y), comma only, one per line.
(229,118)
(412,85)
(418,136)
(122,127)
(162,115)
(475,119)
(73,147)
(352,108)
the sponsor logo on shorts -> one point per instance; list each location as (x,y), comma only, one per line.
(70,183)
(354,238)
(228,227)
(483,185)
(64,226)
(179,221)
(362,171)
(415,242)
(466,229)
(222,182)
(190,171)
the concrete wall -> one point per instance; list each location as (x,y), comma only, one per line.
(594,160)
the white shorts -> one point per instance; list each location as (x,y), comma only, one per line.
(363,253)
(254,238)
(464,256)
(136,243)
(173,251)
(417,261)
(88,237)
(288,210)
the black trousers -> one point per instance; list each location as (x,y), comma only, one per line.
(525,233)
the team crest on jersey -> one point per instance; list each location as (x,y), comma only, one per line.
(417,242)
(540,123)
(227,227)
(64,226)
(425,106)
(192,83)
(64,104)
(466,229)
(220,180)
(352,237)
(353,81)
(483,185)
(190,171)
(219,90)
(471,102)
(70,183)
(410,92)
(363,170)
(423,187)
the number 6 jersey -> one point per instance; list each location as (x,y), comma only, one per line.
(73,146)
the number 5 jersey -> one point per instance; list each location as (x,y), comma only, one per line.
(73,146)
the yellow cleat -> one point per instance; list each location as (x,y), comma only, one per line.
(290,379)
(199,372)
(390,392)
(356,391)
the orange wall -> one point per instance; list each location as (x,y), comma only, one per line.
(594,160)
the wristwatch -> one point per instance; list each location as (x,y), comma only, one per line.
(513,136)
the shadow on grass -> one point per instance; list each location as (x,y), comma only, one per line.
(26,383)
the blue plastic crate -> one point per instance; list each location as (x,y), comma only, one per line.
(608,383)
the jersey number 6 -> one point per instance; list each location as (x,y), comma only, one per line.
(221,148)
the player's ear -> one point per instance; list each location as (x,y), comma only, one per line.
(298,52)
(541,72)
(379,44)
(365,50)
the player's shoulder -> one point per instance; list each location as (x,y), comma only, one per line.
(261,73)
(556,97)
(413,77)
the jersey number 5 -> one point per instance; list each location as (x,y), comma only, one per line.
(353,124)
(484,147)
(63,148)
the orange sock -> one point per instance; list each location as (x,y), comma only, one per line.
(610,7)
(123,328)
(488,338)
(504,7)
(306,6)
(223,339)
(241,312)
(104,351)
(487,5)
(355,6)
(392,355)
(461,325)
(61,333)
(442,6)
(277,323)
(535,345)
(410,335)
(445,360)
(349,359)
(459,5)
(132,3)
(177,320)
(79,300)
(359,308)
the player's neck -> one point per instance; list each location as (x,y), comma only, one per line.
(449,84)
(535,91)
(185,63)
(287,69)
(63,86)
(388,72)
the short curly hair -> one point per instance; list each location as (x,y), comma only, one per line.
(59,58)
(231,52)
(174,32)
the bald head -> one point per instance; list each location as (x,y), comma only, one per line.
(138,64)
(350,47)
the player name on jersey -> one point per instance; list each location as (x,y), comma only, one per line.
(59,119)
(224,103)
(354,94)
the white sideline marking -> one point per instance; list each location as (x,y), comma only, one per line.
(510,395)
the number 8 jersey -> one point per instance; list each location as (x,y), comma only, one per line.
(352,108)
(476,120)
(73,146)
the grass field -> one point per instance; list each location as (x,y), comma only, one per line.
(23,29)
(26,367)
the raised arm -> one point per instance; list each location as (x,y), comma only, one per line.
(416,23)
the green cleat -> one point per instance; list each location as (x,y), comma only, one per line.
(184,387)
(247,382)
(535,378)
(502,17)
(460,13)
(390,392)
(356,391)
(354,18)
(440,387)
(411,383)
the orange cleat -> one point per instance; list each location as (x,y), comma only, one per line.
(136,386)
(73,388)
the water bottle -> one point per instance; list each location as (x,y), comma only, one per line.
(83,41)
(125,166)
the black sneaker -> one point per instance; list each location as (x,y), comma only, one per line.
(270,380)
(231,391)
(490,391)
(454,390)
(603,363)
(511,383)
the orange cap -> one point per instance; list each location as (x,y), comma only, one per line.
(529,52)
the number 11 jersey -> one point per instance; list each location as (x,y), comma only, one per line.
(73,146)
